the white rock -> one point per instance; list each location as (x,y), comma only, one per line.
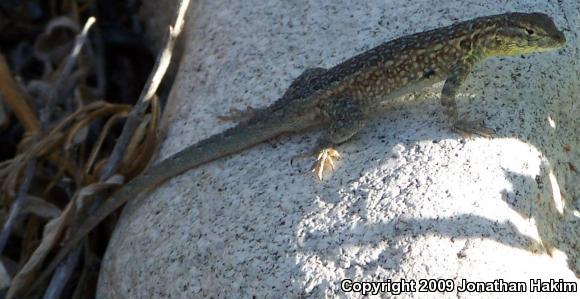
(419,203)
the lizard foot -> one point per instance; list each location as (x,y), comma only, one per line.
(467,128)
(237,115)
(324,160)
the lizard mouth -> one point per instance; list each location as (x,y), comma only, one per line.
(554,41)
(560,39)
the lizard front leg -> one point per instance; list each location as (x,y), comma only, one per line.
(346,119)
(460,124)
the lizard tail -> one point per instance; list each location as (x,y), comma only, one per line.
(217,146)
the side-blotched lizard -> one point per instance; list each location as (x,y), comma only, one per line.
(343,97)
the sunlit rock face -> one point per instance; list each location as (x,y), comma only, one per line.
(409,200)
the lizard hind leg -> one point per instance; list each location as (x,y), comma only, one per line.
(238,115)
(299,87)
(346,119)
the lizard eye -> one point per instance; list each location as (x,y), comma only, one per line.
(530,31)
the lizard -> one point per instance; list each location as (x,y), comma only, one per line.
(341,98)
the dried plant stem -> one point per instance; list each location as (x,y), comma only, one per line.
(18,205)
(63,272)
(67,69)
(31,123)
(161,65)
(16,99)
(159,69)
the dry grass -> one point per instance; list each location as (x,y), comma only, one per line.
(71,154)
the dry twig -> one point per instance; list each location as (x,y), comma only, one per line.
(19,202)
(148,93)
(16,99)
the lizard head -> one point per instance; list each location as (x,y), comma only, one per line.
(522,33)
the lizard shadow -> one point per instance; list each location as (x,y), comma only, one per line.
(556,224)
(402,230)
(552,230)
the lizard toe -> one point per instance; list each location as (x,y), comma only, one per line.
(467,128)
(324,161)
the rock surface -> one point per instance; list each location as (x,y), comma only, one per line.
(409,200)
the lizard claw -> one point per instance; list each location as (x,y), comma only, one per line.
(325,160)
(467,128)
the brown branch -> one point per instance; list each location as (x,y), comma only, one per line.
(16,99)
(64,271)
(19,202)
(57,90)
(161,65)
